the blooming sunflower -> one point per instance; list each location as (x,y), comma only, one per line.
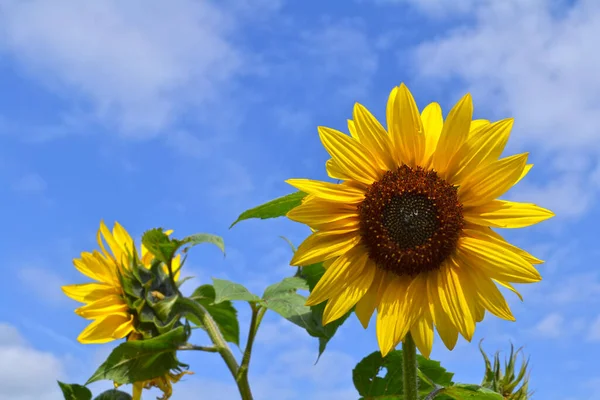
(104,299)
(407,232)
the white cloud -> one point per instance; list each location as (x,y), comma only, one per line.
(551,326)
(139,64)
(594,330)
(30,183)
(26,373)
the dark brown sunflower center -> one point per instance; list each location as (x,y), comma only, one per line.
(410,221)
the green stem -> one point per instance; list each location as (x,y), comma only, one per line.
(220,344)
(257,315)
(409,368)
(189,346)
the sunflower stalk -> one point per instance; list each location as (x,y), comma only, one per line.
(257,315)
(221,346)
(410,368)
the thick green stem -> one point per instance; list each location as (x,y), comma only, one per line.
(220,344)
(409,368)
(257,315)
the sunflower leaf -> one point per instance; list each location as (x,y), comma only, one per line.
(272,209)
(199,238)
(286,286)
(227,290)
(113,394)
(73,391)
(141,360)
(470,392)
(368,379)
(223,313)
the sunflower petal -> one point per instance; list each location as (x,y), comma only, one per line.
(454,133)
(476,127)
(109,305)
(422,333)
(496,261)
(488,234)
(322,245)
(407,131)
(316,213)
(491,180)
(506,214)
(447,331)
(328,191)
(355,289)
(479,150)
(117,252)
(93,268)
(373,136)
(123,238)
(347,268)
(525,172)
(334,171)
(453,300)
(368,303)
(354,158)
(393,322)
(433,122)
(488,294)
(89,292)
(510,287)
(106,329)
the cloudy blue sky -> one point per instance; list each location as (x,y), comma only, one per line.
(184,113)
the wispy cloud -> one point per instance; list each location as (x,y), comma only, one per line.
(30,183)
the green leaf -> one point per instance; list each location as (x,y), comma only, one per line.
(370,384)
(73,391)
(199,238)
(224,314)
(272,209)
(286,286)
(141,360)
(113,394)
(471,392)
(227,290)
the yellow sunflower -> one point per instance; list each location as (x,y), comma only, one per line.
(408,230)
(104,301)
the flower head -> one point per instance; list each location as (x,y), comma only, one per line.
(105,298)
(408,230)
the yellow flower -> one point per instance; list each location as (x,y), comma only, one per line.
(407,231)
(104,298)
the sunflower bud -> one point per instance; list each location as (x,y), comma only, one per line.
(505,382)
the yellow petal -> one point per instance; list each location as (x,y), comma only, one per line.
(355,289)
(422,334)
(322,245)
(137,390)
(477,126)
(374,137)
(495,261)
(480,150)
(104,330)
(353,131)
(453,300)
(354,158)
(447,331)
(347,268)
(329,191)
(492,180)
(316,213)
(89,292)
(117,252)
(506,214)
(392,117)
(454,133)
(92,267)
(525,172)
(433,122)
(123,238)
(488,234)
(334,171)
(367,305)
(510,287)
(488,294)
(393,322)
(109,305)
(407,132)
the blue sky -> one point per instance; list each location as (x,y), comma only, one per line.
(183,114)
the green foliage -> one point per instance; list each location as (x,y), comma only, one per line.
(227,290)
(113,394)
(164,248)
(505,382)
(370,385)
(278,207)
(141,360)
(223,313)
(469,392)
(73,391)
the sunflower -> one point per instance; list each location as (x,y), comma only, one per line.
(407,231)
(104,299)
